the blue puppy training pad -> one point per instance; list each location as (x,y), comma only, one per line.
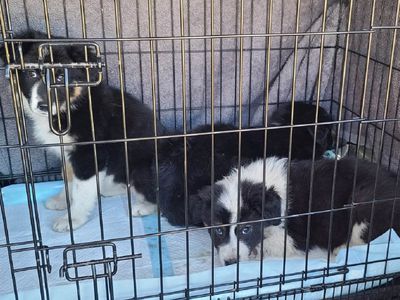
(174,264)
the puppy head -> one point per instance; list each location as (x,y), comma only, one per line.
(303,137)
(32,81)
(247,236)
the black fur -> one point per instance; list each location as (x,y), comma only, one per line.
(172,175)
(107,117)
(251,210)
(171,167)
(252,195)
(321,200)
(303,137)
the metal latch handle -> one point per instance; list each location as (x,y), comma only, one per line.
(60,130)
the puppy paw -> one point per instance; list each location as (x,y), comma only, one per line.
(143,209)
(57,202)
(62,224)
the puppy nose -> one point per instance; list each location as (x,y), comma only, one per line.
(230,261)
(43,107)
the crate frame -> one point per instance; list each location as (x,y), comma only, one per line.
(358,120)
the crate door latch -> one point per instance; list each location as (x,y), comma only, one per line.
(104,267)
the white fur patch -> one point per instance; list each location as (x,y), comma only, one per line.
(83,199)
(274,242)
(228,252)
(141,207)
(110,188)
(274,245)
(357,232)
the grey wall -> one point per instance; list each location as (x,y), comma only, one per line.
(376,105)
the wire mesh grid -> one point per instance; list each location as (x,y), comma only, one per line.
(203,62)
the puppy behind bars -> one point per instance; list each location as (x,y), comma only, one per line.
(372,193)
(108,125)
(226,148)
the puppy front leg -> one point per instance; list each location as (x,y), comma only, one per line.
(141,207)
(59,202)
(84,196)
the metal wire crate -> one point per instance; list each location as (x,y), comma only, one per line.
(197,62)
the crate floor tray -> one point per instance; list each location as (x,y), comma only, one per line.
(172,249)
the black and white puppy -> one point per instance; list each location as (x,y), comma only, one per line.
(226,149)
(272,230)
(108,125)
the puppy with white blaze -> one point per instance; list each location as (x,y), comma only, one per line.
(328,230)
(108,125)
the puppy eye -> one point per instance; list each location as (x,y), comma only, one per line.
(219,231)
(246,229)
(60,78)
(33,74)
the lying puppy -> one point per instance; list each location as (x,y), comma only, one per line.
(171,159)
(108,125)
(272,230)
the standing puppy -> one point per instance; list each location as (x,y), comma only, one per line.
(267,204)
(108,125)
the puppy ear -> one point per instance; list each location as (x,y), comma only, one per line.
(26,46)
(200,206)
(324,132)
(322,136)
(272,206)
(252,193)
(77,53)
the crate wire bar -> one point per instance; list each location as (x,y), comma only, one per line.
(212,61)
